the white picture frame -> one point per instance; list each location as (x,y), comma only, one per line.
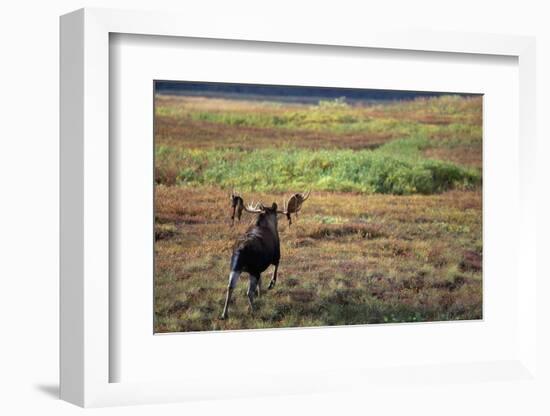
(85,354)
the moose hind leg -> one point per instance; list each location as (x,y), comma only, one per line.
(259,286)
(273,278)
(252,284)
(233,278)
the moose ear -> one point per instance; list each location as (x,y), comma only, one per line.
(274,206)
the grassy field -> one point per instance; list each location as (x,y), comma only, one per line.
(392,231)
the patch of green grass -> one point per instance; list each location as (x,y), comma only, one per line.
(328,219)
(318,118)
(396,168)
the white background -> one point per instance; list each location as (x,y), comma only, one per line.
(29,209)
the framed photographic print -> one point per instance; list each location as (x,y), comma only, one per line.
(297,197)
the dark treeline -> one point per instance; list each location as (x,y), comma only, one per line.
(286,91)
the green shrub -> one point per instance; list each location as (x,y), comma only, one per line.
(396,168)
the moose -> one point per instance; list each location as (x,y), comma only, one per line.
(254,252)
(237,206)
(294,204)
(258,248)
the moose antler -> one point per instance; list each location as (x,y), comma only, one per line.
(254,209)
(293,205)
(237,206)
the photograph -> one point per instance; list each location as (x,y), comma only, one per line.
(280,206)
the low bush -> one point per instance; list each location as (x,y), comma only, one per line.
(393,169)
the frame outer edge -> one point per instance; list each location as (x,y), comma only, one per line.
(71,219)
(95,207)
(84,176)
(527,325)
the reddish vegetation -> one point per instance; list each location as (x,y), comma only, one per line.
(205,134)
(471,262)
(378,259)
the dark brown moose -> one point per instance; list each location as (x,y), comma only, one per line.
(258,248)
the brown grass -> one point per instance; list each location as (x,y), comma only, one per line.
(205,134)
(390,259)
